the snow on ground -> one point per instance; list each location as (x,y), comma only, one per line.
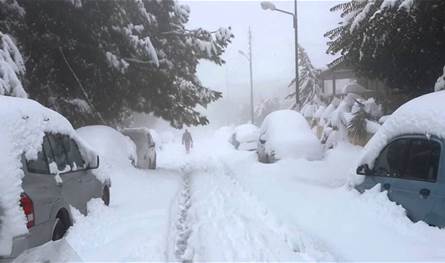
(310,196)
(135,226)
(219,204)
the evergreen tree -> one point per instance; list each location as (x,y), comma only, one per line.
(12,68)
(308,82)
(400,41)
(103,60)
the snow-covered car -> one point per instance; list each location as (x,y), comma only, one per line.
(286,134)
(46,170)
(112,146)
(145,147)
(245,137)
(406,158)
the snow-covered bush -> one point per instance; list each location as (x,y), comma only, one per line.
(351,119)
(12,68)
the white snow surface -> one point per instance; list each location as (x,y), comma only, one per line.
(219,204)
(288,135)
(422,115)
(23,126)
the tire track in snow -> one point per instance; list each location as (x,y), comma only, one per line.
(181,226)
(230,224)
(297,240)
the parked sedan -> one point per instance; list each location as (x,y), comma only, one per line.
(406,158)
(286,134)
(54,168)
(245,137)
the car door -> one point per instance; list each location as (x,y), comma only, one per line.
(388,166)
(70,181)
(416,190)
(91,187)
(39,184)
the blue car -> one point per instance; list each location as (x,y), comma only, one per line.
(406,157)
(409,169)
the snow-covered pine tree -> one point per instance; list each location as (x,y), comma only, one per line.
(309,85)
(102,60)
(12,67)
(398,41)
(265,107)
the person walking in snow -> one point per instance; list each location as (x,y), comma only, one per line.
(187,141)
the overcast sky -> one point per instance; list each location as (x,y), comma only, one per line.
(273,44)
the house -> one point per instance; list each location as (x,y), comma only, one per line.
(339,80)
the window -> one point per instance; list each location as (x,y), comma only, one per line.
(73,154)
(40,165)
(392,159)
(410,158)
(423,160)
(58,150)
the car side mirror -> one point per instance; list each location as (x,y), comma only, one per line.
(363,170)
(94,164)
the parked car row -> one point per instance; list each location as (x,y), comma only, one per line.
(54,168)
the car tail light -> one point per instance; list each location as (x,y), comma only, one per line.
(28,208)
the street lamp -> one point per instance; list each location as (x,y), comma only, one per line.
(249,58)
(266,5)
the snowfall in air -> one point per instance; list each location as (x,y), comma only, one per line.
(220,204)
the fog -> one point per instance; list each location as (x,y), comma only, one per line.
(273,52)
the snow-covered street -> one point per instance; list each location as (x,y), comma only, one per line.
(219,204)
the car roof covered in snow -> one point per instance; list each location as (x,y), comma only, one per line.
(23,124)
(422,115)
(287,133)
(246,132)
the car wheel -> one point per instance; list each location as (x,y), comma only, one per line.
(106,195)
(60,229)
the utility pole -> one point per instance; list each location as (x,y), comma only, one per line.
(251,78)
(248,56)
(266,5)
(297,73)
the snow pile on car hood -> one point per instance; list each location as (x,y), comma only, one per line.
(23,124)
(288,134)
(422,115)
(112,146)
(247,132)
